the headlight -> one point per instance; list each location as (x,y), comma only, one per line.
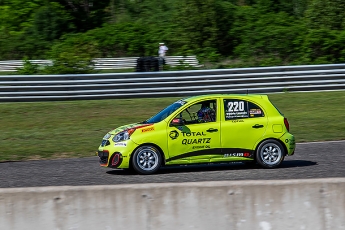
(123,136)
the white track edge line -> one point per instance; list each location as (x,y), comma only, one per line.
(320,142)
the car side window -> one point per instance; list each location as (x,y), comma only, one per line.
(239,109)
(201,112)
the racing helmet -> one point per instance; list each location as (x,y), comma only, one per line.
(206,114)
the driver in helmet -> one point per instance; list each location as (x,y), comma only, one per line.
(206,113)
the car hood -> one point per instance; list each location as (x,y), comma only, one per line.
(130,126)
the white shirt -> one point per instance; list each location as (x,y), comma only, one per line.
(162,49)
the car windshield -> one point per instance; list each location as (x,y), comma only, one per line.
(165,112)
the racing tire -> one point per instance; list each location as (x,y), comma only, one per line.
(270,154)
(146,159)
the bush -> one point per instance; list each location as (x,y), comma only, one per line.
(73,56)
(28,68)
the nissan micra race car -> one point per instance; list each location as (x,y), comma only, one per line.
(202,129)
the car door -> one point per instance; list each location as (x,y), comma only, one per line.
(243,123)
(199,137)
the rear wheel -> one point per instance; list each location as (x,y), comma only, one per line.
(146,159)
(270,154)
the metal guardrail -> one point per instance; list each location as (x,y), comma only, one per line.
(172,83)
(104,63)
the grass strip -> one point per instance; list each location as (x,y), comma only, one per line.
(43,130)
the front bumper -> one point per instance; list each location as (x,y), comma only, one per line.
(114,161)
(114,155)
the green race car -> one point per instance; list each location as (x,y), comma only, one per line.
(202,129)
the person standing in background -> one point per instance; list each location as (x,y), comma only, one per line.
(162,50)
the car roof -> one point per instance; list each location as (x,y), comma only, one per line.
(210,96)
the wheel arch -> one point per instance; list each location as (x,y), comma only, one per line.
(280,141)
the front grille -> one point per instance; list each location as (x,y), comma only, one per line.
(103,157)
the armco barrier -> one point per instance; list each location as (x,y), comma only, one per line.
(172,83)
(316,204)
(104,63)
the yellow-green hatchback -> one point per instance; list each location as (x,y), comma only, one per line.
(202,129)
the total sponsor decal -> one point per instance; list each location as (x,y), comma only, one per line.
(173,134)
(237,154)
(196,141)
(148,129)
(189,134)
(192,141)
(121,144)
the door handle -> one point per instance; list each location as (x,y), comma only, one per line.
(211,130)
(257,126)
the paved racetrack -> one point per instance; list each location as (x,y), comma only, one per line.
(311,160)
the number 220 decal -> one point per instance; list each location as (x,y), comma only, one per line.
(235,109)
(235,106)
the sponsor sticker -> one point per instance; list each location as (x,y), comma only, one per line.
(121,144)
(173,134)
(236,121)
(196,141)
(201,147)
(148,129)
(181,102)
(185,134)
(255,111)
(237,154)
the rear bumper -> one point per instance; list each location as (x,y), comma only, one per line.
(289,140)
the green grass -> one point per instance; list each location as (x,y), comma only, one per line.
(75,128)
(8,73)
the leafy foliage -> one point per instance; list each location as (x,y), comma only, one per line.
(246,32)
(73,56)
(28,68)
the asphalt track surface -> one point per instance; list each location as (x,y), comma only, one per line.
(311,160)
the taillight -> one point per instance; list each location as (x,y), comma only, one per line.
(287,125)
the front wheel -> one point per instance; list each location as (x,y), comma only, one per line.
(270,154)
(146,159)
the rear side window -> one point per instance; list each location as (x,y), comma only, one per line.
(239,109)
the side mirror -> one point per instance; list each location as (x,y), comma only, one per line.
(177,122)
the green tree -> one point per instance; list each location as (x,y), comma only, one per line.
(87,14)
(291,7)
(270,35)
(202,26)
(329,14)
(74,56)
(50,22)
(16,16)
